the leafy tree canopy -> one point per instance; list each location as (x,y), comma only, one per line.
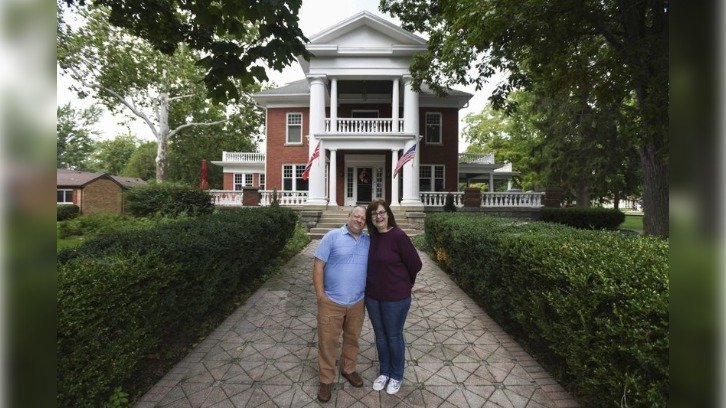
(235,39)
(74,136)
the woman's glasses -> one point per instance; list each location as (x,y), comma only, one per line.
(378,214)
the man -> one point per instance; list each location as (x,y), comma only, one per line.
(339,277)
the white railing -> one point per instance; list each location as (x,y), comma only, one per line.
(505,199)
(511,199)
(226,198)
(361,125)
(284,197)
(243,157)
(439,199)
(476,158)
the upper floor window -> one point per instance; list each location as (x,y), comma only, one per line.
(431,177)
(433,128)
(294,128)
(64,196)
(292,177)
(242,180)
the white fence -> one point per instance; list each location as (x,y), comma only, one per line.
(243,157)
(368,125)
(504,199)
(284,197)
(226,198)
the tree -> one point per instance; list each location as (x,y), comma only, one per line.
(74,136)
(127,74)
(112,156)
(538,42)
(141,164)
(232,40)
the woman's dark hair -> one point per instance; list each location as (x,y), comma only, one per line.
(373,207)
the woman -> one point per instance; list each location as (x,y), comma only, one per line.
(392,267)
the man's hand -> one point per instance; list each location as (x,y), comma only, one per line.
(318,278)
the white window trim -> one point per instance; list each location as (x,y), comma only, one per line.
(287,129)
(433,176)
(294,175)
(244,180)
(261,181)
(441,137)
(65,190)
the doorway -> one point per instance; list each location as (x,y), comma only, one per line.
(365,185)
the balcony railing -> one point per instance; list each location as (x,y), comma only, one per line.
(243,157)
(475,158)
(364,125)
(284,197)
(503,199)
(226,198)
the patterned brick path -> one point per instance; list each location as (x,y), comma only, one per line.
(264,355)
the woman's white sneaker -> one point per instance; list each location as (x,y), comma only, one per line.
(380,382)
(393,386)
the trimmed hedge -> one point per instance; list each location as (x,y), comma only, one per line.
(168,199)
(584,217)
(126,295)
(593,304)
(67,211)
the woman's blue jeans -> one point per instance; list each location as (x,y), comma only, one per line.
(387,319)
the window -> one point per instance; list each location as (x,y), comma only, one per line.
(292,177)
(262,181)
(294,128)
(242,180)
(431,178)
(65,196)
(433,128)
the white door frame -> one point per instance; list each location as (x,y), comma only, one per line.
(377,162)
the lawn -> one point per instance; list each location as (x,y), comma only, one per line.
(633,222)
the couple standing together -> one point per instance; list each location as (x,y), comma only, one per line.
(353,271)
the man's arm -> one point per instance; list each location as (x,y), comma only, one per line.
(318,278)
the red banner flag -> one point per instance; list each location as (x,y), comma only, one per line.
(314,156)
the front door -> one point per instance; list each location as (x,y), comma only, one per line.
(365,185)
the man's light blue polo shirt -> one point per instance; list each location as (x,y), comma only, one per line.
(346,265)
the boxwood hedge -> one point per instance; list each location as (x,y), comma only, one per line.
(584,217)
(124,295)
(592,304)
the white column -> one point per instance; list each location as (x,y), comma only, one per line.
(334,105)
(509,183)
(394,105)
(333,178)
(491,182)
(410,125)
(316,185)
(394,181)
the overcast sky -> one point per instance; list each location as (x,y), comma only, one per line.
(315,16)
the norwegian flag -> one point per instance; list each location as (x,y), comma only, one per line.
(315,155)
(407,157)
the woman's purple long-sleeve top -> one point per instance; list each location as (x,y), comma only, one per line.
(393,264)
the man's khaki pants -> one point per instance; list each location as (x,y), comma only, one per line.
(332,320)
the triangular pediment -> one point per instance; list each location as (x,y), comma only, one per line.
(365,33)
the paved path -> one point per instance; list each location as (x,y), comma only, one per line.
(265,355)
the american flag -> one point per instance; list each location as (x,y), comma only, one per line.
(314,156)
(408,156)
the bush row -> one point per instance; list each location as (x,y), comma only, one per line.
(167,199)
(66,211)
(92,225)
(584,217)
(125,295)
(594,304)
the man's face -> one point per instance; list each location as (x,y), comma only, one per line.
(357,220)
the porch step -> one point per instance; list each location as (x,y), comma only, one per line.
(335,217)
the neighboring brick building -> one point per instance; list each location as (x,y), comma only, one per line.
(358,105)
(93,192)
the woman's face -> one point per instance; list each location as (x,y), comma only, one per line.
(380,218)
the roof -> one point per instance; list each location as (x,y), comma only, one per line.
(75,178)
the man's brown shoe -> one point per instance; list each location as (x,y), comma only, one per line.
(324,391)
(353,378)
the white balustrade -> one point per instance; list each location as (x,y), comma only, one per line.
(284,197)
(364,125)
(243,157)
(226,198)
(503,199)
(476,158)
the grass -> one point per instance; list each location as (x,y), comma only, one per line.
(633,223)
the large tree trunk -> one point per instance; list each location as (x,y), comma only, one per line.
(655,193)
(162,138)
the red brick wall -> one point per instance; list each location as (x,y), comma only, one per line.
(102,195)
(448,152)
(279,154)
(227,181)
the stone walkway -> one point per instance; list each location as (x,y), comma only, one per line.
(265,355)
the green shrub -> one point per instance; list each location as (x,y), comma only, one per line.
(92,225)
(168,199)
(449,205)
(584,217)
(67,211)
(125,295)
(592,304)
